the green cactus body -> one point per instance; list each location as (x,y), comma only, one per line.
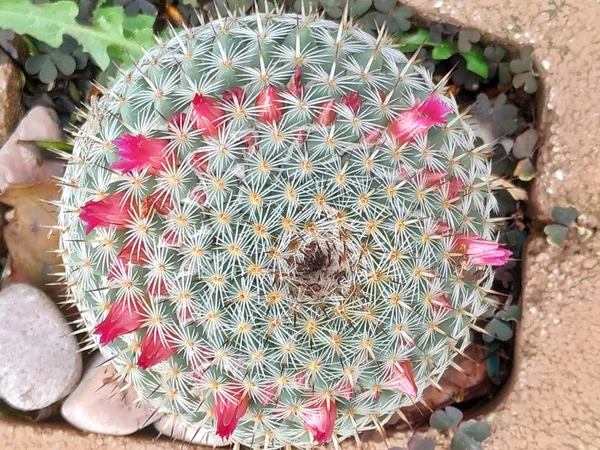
(277,229)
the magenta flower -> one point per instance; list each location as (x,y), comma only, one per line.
(482,252)
(352,100)
(123,317)
(319,421)
(419,119)
(207,115)
(139,153)
(228,409)
(326,114)
(233,94)
(294,86)
(154,350)
(403,379)
(111,210)
(270,105)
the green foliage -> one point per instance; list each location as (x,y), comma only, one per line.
(111,34)
(470,435)
(445,419)
(474,56)
(565,218)
(523,149)
(522,69)
(48,62)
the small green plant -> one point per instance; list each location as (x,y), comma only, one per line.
(565,219)
(467,435)
(524,149)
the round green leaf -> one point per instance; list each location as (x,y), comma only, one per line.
(525,144)
(513,312)
(462,441)
(48,73)
(565,215)
(418,442)
(525,170)
(384,5)
(556,234)
(447,418)
(497,329)
(359,7)
(34,63)
(527,81)
(66,64)
(478,430)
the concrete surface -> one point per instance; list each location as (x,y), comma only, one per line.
(554,401)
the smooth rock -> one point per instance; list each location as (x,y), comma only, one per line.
(22,163)
(10,99)
(166,427)
(39,362)
(99,406)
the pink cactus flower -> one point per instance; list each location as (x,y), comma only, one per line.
(352,100)
(294,86)
(482,252)
(139,153)
(199,196)
(158,202)
(372,136)
(111,210)
(153,351)
(208,117)
(403,378)
(419,119)
(129,254)
(177,121)
(234,94)
(228,409)
(249,141)
(123,317)
(319,421)
(199,161)
(442,303)
(270,105)
(326,115)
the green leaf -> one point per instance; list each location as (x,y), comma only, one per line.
(51,145)
(478,430)
(556,234)
(66,64)
(443,50)
(513,312)
(476,61)
(447,418)
(525,144)
(497,329)
(564,215)
(411,42)
(462,441)
(48,22)
(525,170)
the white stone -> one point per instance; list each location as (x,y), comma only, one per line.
(100,406)
(39,359)
(166,427)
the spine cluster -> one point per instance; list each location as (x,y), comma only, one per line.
(278,230)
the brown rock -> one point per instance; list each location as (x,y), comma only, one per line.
(22,163)
(10,99)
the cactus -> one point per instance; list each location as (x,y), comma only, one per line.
(278,230)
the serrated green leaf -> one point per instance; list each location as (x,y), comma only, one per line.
(564,215)
(478,430)
(476,62)
(447,418)
(525,170)
(48,22)
(556,234)
(412,41)
(443,50)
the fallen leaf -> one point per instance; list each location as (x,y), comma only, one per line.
(28,240)
(501,183)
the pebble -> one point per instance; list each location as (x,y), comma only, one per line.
(99,406)
(165,427)
(39,359)
(10,99)
(22,163)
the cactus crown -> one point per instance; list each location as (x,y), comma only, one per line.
(278,229)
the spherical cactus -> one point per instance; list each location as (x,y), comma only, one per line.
(278,229)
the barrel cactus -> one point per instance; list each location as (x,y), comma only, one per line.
(278,230)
